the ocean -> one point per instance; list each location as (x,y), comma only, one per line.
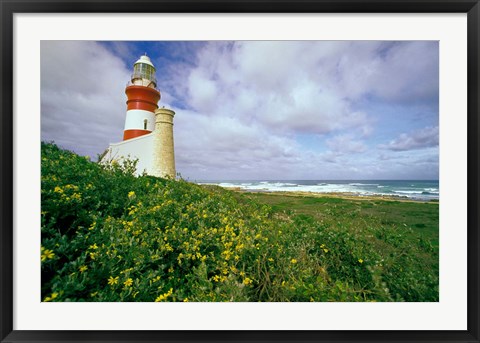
(423,190)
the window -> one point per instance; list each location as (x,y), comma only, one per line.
(145,122)
(144,71)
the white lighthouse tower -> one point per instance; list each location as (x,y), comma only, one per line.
(142,99)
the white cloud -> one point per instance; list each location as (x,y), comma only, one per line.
(202,91)
(346,143)
(82,95)
(267,81)
(241,106)
(398,71)
(418,139)
(224,147)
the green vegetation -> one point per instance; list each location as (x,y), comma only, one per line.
(110,236)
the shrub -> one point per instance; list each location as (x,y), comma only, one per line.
(110,236)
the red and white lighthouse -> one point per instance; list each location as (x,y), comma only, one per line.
(142,100)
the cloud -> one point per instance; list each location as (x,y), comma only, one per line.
(82,95)
(243,107)
(418,139)
(272,83)
(203,92)
(402,72)
(227,148)
(345,144)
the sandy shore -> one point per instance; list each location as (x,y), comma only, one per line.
(346,195)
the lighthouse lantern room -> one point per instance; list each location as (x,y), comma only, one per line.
(142,99)
(144,72)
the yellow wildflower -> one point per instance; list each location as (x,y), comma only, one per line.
(112,280)
(227,254)
(360,260)
(131,194)
(293,261)
(83,268)
(52,297)
(164,296)
(47,254)
(154,279)
(128,283)
(247,281)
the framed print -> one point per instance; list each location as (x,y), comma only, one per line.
(238,171)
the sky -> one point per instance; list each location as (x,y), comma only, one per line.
(258,110)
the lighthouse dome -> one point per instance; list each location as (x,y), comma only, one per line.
(145,59)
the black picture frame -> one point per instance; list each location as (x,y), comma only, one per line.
(10,7)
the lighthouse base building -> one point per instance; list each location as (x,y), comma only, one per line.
(148,133)
(154,152)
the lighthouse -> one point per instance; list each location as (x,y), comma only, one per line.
(142,99)
(148,133)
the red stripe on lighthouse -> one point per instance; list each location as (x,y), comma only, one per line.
(141,105)
(142,98)
(128,134)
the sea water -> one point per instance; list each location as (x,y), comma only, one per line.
(411,189)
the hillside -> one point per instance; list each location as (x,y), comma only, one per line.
(110,236)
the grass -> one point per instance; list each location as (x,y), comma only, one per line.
(403,234)
(110,236)
(421,217)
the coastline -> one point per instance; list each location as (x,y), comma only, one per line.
(337,195)
(418,191)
